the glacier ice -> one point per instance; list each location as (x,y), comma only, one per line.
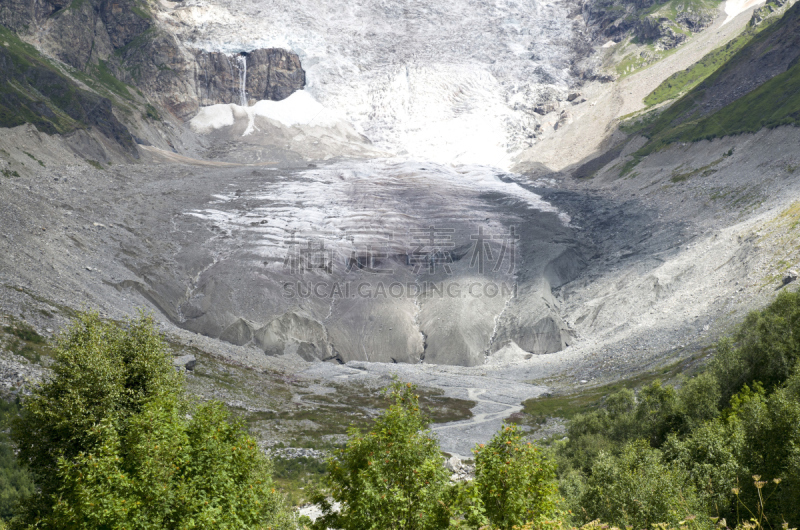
(452,82)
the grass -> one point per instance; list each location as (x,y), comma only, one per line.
(37,91)
(34,158)
(20,103)
(567,405)
(773,104)
(297,477)
(295,413)
(702,171)
(140,10)
(151,113)
(8,173)
(25,332)
(685,80)
(103,75)
(21,339)
(673,8)
(95,164)
(628,166)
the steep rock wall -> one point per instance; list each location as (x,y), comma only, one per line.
(124,37)
(272,74)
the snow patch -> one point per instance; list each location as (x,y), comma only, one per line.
(298,109)
(734,7)
(458,80)
(213,117)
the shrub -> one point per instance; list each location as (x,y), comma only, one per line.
(771,449)
(766,348)
(711,456)
(390,477)
(639,489)
(16,481)
(515,480)
(113,443)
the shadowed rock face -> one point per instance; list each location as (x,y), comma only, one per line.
(272,74)
(142,53)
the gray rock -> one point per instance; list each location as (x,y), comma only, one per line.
(272,74)
(453,464)
(185,361)
(789,276)
(546,108)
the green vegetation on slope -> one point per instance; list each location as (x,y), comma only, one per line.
(774,103)
(33,90)
(685,80)
(113,442)
(16,481)
(655,456)
(392,476)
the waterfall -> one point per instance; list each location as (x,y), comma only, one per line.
(241,59)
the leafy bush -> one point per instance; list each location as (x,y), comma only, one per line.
(766,348)
(390,477)
(515,479)
(639,489)
(16,481)
(737,419)
(113,443)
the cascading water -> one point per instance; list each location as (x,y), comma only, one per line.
(241,60)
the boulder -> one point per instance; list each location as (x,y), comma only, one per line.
(185,362)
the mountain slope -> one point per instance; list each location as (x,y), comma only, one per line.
(33,91)
(756,88)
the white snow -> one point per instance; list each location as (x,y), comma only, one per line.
(213,117)
(609,44)
(298,109)
(734,7)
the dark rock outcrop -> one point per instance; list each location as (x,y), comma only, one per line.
(648,29)
(618,19)
(271,73)
(124,39)
(160,67)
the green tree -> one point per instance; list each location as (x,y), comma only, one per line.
(515,479)
(765,348)
(114,444)
(771,449)
(16,481)
(638,489)
(391,477)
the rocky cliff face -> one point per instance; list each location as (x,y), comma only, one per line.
(247,77)
(125,38)
(32,91)
(663,23)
